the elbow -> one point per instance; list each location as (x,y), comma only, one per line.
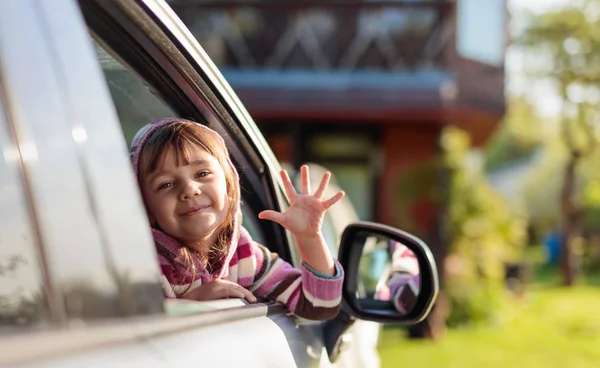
(317,313)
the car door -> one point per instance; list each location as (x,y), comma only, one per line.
(96,297)
(183,67)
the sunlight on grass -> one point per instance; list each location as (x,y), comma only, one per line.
(551,327)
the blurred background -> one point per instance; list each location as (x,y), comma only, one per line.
(470,123)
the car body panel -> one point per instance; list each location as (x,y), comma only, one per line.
(220,338)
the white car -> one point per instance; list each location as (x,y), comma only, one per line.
(79,280)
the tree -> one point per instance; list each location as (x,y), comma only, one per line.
(517,138)
(485,235)
(568,40)
(481,233)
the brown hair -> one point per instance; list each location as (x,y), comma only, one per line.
(181,136)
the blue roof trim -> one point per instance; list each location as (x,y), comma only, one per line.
(297,79)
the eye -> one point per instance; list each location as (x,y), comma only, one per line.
(202,174)
(165,185)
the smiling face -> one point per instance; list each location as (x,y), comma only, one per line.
(187,199)
(189,186)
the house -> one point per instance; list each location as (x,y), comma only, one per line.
(361,87)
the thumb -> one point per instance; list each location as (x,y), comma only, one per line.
(271,215)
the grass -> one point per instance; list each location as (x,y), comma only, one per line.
(552,326)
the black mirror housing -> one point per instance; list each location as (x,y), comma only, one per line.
(353,244)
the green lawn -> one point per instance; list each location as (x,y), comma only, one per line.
(552,327)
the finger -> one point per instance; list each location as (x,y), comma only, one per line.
(331,201)
(248,295)
(241,292)
(224,293)
(272,216)
(225,289)
(234,293)
(287,184)
(323,185)
(304,180)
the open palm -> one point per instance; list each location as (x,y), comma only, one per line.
(305,214)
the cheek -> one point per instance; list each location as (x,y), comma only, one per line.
(150,208)
(155,205)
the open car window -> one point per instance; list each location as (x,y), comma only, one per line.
(137,104)
(250,223)
(194,90)
(134,101)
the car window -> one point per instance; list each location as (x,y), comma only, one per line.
(250,223)
(135,102)
(330,235)
(137,105)
(22,296)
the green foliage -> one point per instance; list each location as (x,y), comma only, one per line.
(505,148)
(542,188)
(476,302)
(568,37)
(589,195)
(485,234)
(565,49)
(517,137)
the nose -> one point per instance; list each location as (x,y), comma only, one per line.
(190,190)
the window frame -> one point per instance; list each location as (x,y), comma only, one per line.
(155,55)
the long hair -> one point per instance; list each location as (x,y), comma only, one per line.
(182,137)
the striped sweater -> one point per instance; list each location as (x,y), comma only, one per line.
(304,291)
(401,286)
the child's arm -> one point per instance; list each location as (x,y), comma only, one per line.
(404,280)
(404,289)
(304,218)
(304,291)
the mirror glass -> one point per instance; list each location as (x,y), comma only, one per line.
(388,271)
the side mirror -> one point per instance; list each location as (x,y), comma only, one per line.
(391,276)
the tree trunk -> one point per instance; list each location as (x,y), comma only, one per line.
(568,261)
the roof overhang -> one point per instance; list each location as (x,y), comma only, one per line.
(379,97)
(338,94)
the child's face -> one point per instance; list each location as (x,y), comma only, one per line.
(188,202)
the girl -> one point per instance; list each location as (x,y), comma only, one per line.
(192,196)
(402,282)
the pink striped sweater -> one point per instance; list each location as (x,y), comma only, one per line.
(251,265)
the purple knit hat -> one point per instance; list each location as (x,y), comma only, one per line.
(162,238)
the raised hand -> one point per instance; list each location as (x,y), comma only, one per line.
(305,215)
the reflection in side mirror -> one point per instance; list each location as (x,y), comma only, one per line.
(390,275)
(388,271)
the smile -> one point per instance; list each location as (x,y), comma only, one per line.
(194,210)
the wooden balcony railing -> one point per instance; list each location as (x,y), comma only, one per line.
(320,35)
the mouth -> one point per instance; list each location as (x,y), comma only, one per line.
(194,210)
